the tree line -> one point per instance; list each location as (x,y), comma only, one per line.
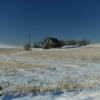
(51,42)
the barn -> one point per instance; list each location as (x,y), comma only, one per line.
(51,42)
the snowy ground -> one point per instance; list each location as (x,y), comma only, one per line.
(84,95)
(6,46)
(94,45)
(87,76)
(27,78)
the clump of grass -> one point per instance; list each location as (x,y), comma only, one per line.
(1,91)
(95,58)
(1,88)
(71,86)
(26,89)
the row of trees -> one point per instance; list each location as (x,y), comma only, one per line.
(51,42)
(54,42)
(81,42)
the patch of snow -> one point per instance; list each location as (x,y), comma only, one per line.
(7,46)
(70,46)
(93,45)
(84,95)
(55,72)
(39,97)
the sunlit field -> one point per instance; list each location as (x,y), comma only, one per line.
(53,74)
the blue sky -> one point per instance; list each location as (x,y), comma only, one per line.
(65,19)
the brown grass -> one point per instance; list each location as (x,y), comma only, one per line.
(83,53)
(10,51)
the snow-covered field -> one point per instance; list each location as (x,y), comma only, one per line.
(94,45)
(24,77)
(84,95)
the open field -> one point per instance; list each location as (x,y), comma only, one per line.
(91,52)
(51,74)
(5,51)
(83,53)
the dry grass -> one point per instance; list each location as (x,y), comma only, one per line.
(10,51)
(83,53)
(12,66)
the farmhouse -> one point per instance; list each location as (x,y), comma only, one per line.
(51,43)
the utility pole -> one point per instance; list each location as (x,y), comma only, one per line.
(30,41)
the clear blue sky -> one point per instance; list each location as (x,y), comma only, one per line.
(65,19)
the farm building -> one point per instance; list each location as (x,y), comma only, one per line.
(51,43)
